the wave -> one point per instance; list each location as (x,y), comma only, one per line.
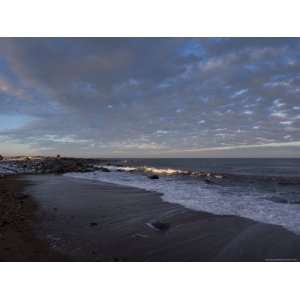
(8,168)
(249,202)
(159,171)
(116,168)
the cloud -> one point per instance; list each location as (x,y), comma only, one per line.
(248,112)
(239,93)
(233,147)
(143,96)
(286,122)
(279,114)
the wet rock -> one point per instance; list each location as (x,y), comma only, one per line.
(279,199)
(153,177)
(208,181)
(104,169)
(4,223)
(22,196)
(159,226)
(186,173)
(1,157)
(93,224)
(59,170)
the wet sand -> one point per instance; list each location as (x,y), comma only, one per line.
(18,241)
(92,221)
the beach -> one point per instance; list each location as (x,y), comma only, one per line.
(83,220)
(18,241)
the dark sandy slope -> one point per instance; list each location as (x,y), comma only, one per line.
(18,219)
(92,221)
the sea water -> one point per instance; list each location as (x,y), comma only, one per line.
(255,192)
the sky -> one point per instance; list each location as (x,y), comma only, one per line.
(150,97)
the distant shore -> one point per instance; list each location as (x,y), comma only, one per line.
(90,221)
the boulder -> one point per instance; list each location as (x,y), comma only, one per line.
(93,224)
(104,169)
(21,196)
(208,181)
(154,176)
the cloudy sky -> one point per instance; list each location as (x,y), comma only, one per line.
(132,97)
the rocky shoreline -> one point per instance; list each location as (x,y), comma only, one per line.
(18,212)
(48,165)
(61,165)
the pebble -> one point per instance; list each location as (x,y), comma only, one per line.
(92,224)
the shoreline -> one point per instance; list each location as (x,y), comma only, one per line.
(96,221)
(57,218)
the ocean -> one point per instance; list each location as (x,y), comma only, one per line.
(265,190)
(240,166)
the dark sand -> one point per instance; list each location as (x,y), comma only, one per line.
(17,219)
(92,221)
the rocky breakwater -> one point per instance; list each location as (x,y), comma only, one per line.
(45,165)
(62,165)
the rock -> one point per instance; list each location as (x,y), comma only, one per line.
(159,226)
(22,196)
(208,181)
(59,170)
(104,169)
(4,223)
(279,199)
(93,224)
(153,176)
(1,157)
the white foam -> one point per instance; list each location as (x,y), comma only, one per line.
(197,195)
(116,168)
(9,168)
(166,171)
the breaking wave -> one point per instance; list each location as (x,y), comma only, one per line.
(195,194)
